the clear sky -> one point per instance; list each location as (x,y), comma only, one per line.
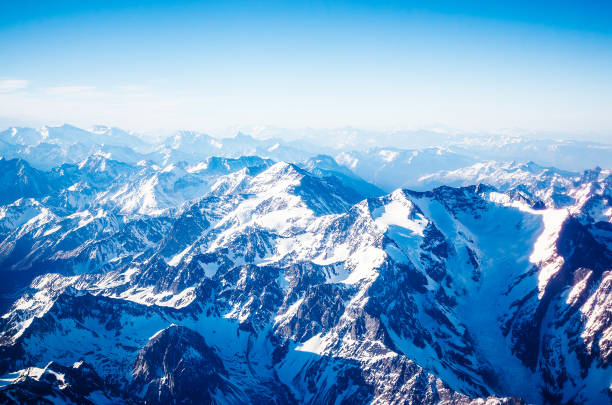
(159,65)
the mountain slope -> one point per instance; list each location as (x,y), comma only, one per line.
(288,284)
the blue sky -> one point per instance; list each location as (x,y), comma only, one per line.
(475,66)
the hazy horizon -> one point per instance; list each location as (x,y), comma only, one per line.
(264,132)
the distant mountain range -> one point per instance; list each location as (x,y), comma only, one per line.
(204,270)
(386,167)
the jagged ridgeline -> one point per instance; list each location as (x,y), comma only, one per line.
(198,279)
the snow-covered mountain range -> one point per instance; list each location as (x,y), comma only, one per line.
(388,160)
(230,271)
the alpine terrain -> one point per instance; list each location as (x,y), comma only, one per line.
(249,271)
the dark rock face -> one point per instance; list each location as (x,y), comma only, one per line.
(177,363)
(78,384)
(319,309)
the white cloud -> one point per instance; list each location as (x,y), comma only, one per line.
(69,90)
(10,85)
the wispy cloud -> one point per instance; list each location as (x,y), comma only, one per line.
(135,88)
(10,85)
(69,90)
(142,107)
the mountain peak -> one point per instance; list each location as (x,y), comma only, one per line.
(241,136)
